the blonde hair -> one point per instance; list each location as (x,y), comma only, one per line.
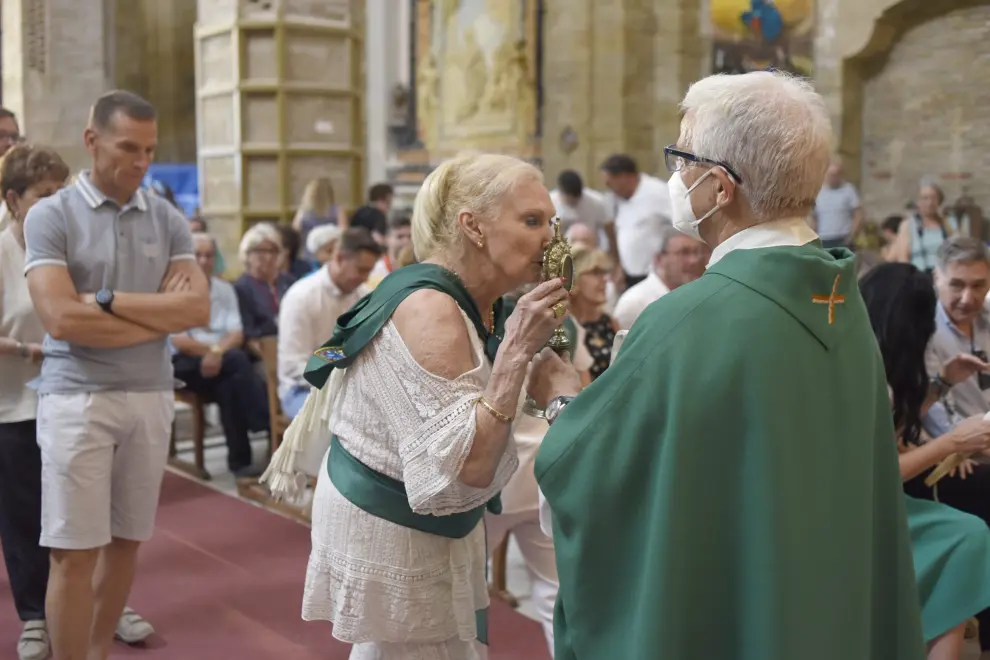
(468,182)
(256,235)
(587,259)
(317,198)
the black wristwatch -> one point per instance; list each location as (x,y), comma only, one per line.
(555,406)
(941,387)
(104,298)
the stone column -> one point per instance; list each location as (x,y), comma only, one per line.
(279,101)
(614,73)
(56,62)
(378,81)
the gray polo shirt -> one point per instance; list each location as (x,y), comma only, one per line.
(965,399)
(104,245)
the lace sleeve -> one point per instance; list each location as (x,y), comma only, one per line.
(434,454)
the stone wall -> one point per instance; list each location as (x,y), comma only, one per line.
(925,114)
(614,72)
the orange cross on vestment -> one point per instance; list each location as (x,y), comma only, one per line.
(831,300)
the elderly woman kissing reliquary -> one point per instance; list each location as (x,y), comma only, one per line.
(420,384)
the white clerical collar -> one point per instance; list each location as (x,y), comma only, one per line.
(791,232)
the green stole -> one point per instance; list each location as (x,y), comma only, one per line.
(367,489)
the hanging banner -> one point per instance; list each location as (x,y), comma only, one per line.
(756,35)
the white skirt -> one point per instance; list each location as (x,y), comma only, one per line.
(381,582)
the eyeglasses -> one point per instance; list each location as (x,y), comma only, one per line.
(676,161)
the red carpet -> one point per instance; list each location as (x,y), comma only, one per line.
(223,578)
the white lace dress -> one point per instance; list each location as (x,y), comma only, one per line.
(375,580)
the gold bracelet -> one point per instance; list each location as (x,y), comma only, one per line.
(496,414)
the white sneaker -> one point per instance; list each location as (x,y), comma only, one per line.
(34,643)
(132,628)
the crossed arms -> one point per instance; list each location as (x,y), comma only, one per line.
(181,304)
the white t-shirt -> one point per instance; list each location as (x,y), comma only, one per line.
(590,210)
(18,321)
(637,298)
(638,223)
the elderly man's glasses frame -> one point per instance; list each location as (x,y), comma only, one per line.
(675,159)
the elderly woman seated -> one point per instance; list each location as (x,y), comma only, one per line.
(261,287)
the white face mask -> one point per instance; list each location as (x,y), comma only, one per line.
(680,200)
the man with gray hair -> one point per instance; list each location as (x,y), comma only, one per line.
(729,487)
(962,326)
(680,259)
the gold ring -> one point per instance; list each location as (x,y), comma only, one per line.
(559,310)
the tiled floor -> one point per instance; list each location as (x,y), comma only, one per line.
(517,578)
(216,464)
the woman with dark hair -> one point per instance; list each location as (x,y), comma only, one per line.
(951,548)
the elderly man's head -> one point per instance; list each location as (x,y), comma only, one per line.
(962,278)
(753,148)
(833,175)
(581,234)
(206,252)
(681,259)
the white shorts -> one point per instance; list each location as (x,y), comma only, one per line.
(103,455)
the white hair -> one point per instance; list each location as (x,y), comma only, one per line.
(321,236)
(468,182)
(772,129)
(263,232)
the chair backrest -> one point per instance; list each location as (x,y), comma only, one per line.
(269,359)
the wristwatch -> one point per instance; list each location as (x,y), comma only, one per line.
(940,386)
(104,298)
(555,406)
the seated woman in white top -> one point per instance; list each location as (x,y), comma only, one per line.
(424,382)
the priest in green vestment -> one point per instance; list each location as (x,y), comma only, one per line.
(728,488)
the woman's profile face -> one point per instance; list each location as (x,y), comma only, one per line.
(519,233)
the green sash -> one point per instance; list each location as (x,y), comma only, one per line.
(358,326)
(367,489)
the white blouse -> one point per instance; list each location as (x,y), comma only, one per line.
(378,581)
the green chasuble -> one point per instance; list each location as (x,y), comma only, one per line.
(371,491)
(729,488)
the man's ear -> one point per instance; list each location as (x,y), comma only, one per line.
(12,202)
(725,189)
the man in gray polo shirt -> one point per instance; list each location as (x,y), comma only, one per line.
(112,273)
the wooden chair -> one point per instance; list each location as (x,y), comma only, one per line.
(250,488)
(497,585)
(268,347)
(197,468)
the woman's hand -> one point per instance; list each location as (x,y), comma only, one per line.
(969,436)
(964,469)
(961,367)
(552,376)
(533,320)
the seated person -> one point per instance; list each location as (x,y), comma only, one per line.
(321,242)
(951,549)
(399,236)
(310,309)
(261,287)
(211,362)
(962,280)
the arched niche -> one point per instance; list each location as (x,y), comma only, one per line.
(889,29)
